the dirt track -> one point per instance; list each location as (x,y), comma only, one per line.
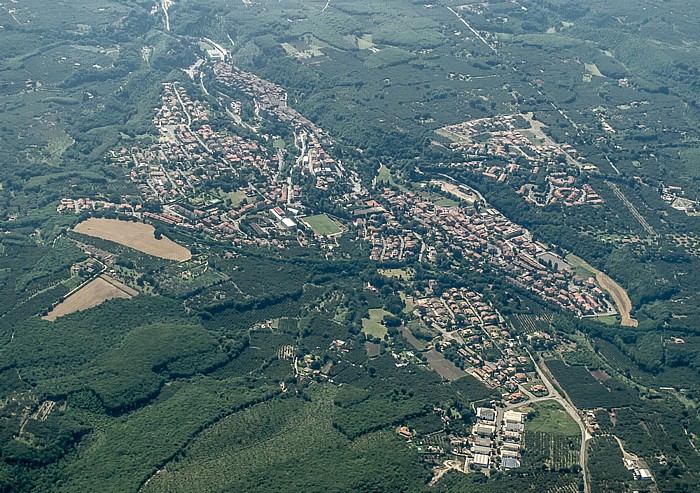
(617,293)
(619,296)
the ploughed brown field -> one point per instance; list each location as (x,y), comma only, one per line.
(138,236)
(92,294)
(445,368)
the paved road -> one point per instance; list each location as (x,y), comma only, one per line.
(473,30)
(573,413)
(554,395)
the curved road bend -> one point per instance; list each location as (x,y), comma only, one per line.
(554,395)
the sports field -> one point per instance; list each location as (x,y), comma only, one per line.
(323,225)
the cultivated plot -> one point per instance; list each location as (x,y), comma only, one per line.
(138,236)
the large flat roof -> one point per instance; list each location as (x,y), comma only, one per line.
(481,459)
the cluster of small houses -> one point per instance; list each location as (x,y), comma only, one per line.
(86,204)
(513,151)
(185,158)
(476,326)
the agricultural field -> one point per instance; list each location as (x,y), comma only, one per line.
(138,236)
(95,292)
(586,391)
(444,367)
(550,417)
(607,469)
(533,323)
(554,450)
(186,278)
(621,362)
(552,437)
(323,225)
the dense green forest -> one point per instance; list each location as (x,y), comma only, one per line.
(252,358)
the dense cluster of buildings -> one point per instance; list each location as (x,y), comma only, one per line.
(191,153)
(193,170)
(487,237)
(496,439)
(271,101)
(486,345)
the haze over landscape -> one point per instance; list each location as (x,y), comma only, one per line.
(349,245)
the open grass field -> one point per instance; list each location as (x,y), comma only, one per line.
(446,203)
(593,70)
(236,197)
(138,236)
(92,294)
(373,326)
(409,301)
(550,417)
(617,293)
(403,274)
(365,43)
(323,225)
(384,176)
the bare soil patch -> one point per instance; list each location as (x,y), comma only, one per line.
(617,293)
(619,296)
(444,367)
(138,236)
(601,376)
(92,294)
